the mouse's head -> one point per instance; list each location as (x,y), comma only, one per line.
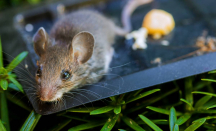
(61,67)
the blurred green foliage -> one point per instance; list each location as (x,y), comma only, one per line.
(4,4)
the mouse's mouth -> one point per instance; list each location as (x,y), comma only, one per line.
(50,100)
(50,96)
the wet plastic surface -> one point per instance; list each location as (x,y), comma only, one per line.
(130,70)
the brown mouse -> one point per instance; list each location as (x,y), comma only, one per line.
(78,50)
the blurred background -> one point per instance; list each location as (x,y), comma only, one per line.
(5,4)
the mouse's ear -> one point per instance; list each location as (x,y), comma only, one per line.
(82,47)
(40,41)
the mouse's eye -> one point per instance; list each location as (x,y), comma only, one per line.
(38,73)
(65,75)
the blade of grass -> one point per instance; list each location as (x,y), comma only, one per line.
(206,111)
(11,74)
(213,106)
(13,87)
(176,128)
(31,122)
(60,126)
(87,126)
(102,110)
(113,98)
(207,118)
(110,123)
(16,61)
(157,121)
(209,127)
(4,84)
(162,111)
(4,111)
(81,110)
(2,128)
(181,120)
(131,123)
(15,82)
(120,98)
(204,93)
(188,94)
(210,80)
(172,118)
(3,71)
(142,95)
(117,109)
(160,122)
(214,71)
(202,101)
(137,92)
(196,125)
(133,94)
(150,123)
(1,54)
(211,102)
(151,101)
(185,101)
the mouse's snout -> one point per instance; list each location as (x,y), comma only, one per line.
(48,95)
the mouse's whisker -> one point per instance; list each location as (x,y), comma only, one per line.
(118,87)
(88,91)
(31,89)
(102,86)
(69,83)
(25,71)
(22,74)
(93,94)
(18,68)
(27,81)
(34,99)
(27,84)
(64,102)
(110,74)
(19,98)
(121,65)
(60,103)
(77,100)
(32,93)
(83,96)
(13,58)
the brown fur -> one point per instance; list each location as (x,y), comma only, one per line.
(59,57)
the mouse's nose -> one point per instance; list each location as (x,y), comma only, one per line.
(44,98)
(46,95)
